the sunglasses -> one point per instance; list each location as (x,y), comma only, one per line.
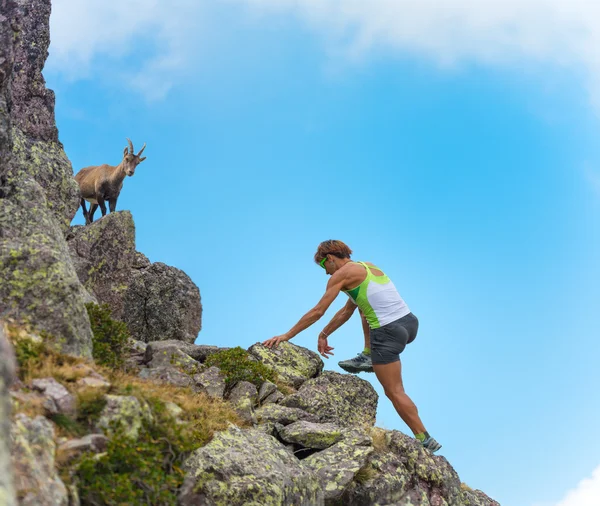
(322,262)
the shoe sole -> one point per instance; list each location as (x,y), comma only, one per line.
(355,370)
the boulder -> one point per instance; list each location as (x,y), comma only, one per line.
(60,400)
(103,254)
(7,377)
(162,303)
(294,364)
(197,352)
(243,467)
(311,435)
(124,413)
(40,286)
(337,466)
(243,397)
(406,472)
(213,382)
(170,375)
(343,399)
(281,414)
(93,382)
(266,389)
(71,449)
(172,356)
(33,453)
(273,398)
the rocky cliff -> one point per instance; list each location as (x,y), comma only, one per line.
(128,410)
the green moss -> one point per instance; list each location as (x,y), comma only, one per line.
(109,336)
(236,365)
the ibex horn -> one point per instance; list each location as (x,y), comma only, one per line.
(142,150)
(130,145)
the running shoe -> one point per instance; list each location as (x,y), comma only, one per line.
(360,363)
(431,444)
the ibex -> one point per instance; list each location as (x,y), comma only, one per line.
(104,182)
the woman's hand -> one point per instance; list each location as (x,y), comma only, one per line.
(323,347)
(274,341)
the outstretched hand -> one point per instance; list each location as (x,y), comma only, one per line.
(324,348)
(274,341)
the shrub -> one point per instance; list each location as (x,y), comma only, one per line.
(236,365)
(141,471)
(109,336)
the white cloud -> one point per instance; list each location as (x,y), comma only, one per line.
(494,32)
(83,31)
(586,493)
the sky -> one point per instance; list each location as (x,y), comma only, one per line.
(453,144)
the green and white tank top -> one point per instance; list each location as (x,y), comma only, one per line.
(378,299)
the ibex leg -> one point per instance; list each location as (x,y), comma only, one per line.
(93,208)
(85,213)
(112,205)
(102,204)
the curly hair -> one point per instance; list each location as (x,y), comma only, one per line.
(332,247)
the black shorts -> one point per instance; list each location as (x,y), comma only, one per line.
(389,341)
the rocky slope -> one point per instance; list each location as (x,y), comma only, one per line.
(173,423)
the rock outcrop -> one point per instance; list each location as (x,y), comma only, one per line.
(248,467)
(156,301)
(37,151)
(38,196)
(34,449)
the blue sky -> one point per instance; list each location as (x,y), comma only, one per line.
(454,146)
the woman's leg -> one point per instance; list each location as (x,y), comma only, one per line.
(390,377)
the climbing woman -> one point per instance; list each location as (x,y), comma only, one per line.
(387,322)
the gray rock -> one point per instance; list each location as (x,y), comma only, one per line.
(274,398)
(312,435)
(7,377)
(294,364)
(93,382)
(343,399)
(281,414)
(243,390)
(427,467)
(169,375)
(395,471)
(40,285)
(140,261)
(161,303)
(337,466)
(33,452)
(244,397)
(197,352)
(213,381)
(62,401)
(38,195)
(37,150)
(244,467)
(124,413)
(172,356)
(103,254)
(266,389)
(173,409)
(477,498)
(71,449)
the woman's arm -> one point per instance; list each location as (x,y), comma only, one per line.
(341,317)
